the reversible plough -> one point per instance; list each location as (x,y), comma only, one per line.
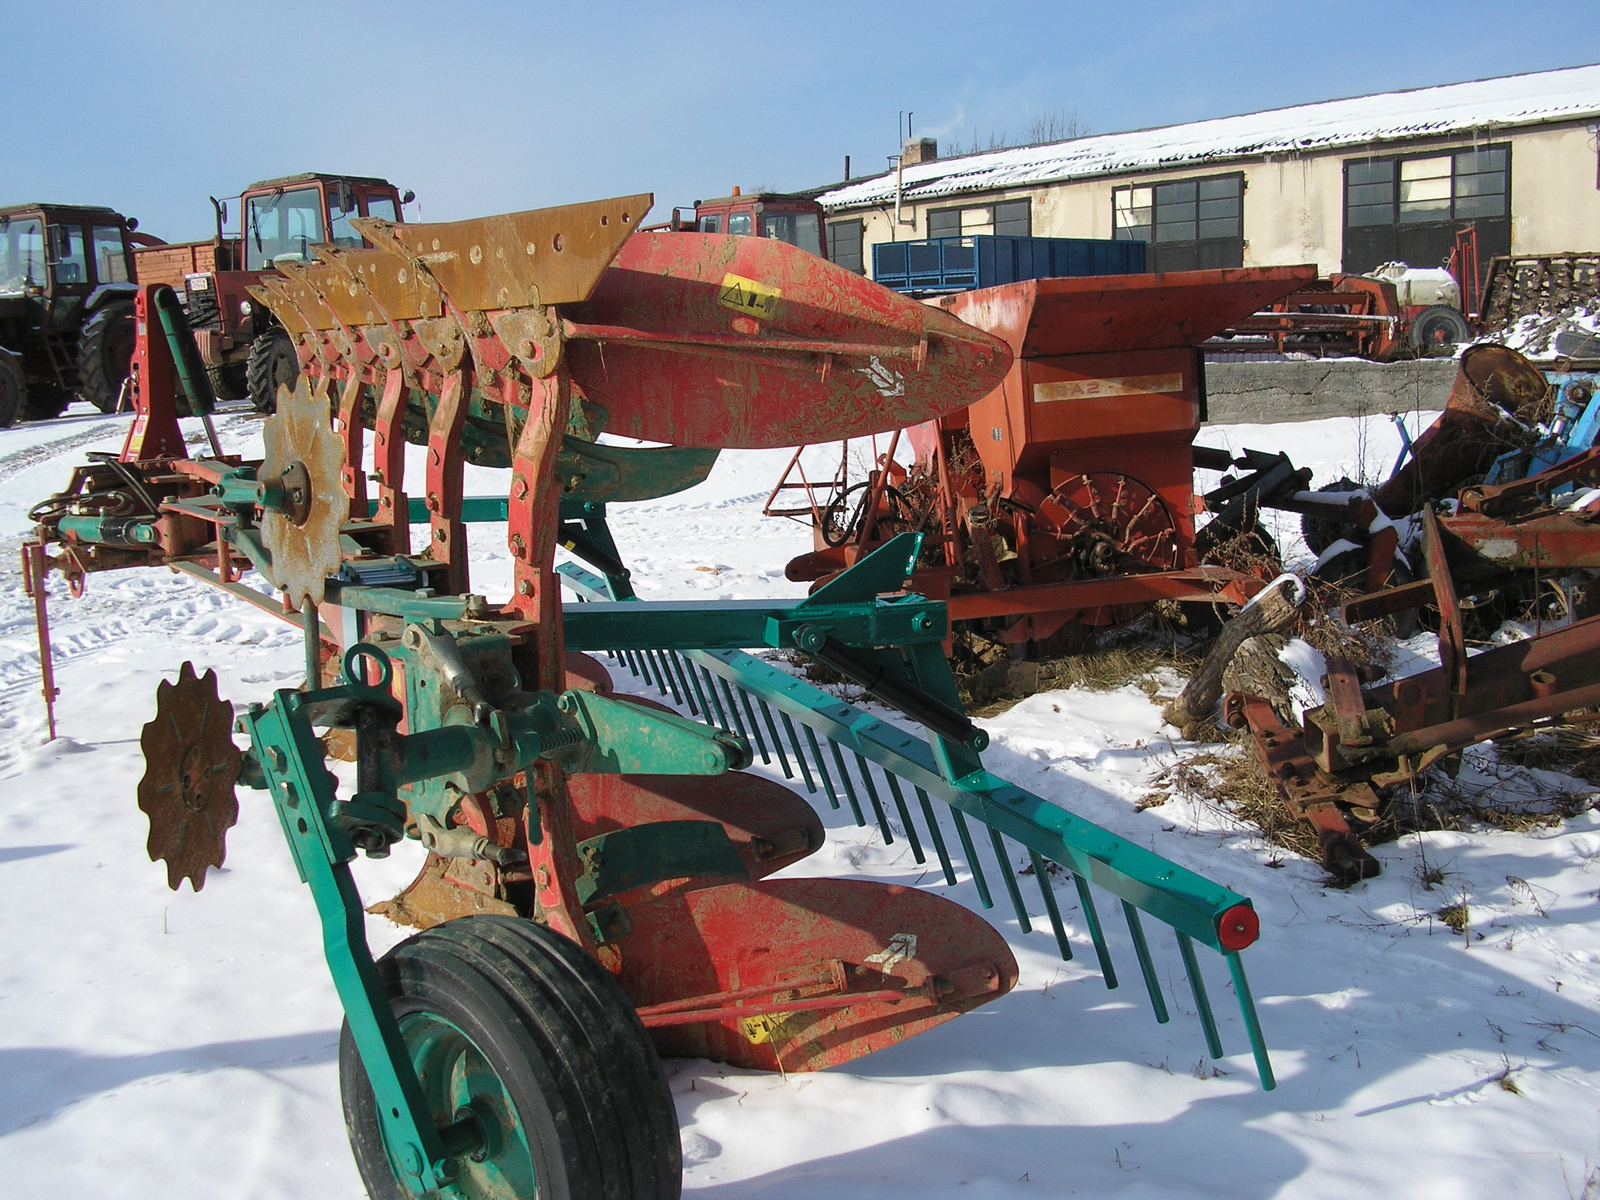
(600,883)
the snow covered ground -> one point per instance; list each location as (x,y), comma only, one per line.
(157,1045)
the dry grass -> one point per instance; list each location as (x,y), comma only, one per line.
(993,688)
(1228,779)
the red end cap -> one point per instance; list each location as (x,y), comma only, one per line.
(1238,927)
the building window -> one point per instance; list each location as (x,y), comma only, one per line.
(1013,218)
(1191,224)
(844,245)
(1410,208)
(944,222)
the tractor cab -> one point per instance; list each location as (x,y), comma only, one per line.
(60,266)
(54,257)
(791,219)
(284,218)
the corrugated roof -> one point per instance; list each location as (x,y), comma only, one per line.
(1484,104)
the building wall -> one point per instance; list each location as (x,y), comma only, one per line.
(1294,207)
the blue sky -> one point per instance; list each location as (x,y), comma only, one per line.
(485,106)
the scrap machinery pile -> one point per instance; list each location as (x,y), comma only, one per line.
(599,884)
(1492,515)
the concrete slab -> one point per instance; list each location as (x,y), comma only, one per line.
(1308,389)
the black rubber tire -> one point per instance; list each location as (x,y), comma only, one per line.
(272,362)
(567,1048)
(1438,327)
(13,390)
(1321,532)
(230,381)
(45,402)
(105,347)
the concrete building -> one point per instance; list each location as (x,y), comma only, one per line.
(1346,184)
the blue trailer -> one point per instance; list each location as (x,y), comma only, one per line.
(933,266)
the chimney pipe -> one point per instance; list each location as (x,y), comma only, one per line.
(736,189)
(847,168)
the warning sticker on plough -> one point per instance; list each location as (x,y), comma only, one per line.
(747,296)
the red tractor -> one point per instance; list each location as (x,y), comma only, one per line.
(792,219)
(245,350)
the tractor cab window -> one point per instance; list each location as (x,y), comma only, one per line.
(382,207)
(110,260)
(21,256)
(340,209)
(281,225)
(798,229)
(66,248)
(739,223)
(711,223)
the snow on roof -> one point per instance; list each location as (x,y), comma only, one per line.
(1565,95)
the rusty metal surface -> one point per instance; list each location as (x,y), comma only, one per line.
(1495,390)
(935,958)
(191,765)
(1095,314)
(302,449)
(1326,804)
(717,340)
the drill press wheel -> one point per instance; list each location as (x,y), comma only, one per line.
(304,456)
(190,767)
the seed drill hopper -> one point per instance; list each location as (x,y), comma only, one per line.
(1062,501)
(600,884)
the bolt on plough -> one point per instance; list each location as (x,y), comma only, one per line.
(598,889)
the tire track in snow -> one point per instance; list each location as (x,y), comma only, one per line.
(31,456)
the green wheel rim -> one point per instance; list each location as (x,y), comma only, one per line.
(458,1079)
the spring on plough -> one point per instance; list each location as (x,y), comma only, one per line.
(1143,882)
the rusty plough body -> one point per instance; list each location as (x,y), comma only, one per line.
(599,879)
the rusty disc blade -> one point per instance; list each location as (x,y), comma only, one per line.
(190,768)
(305,454)
(716,340)
(922,958)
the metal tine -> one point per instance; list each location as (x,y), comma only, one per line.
(665,683)
(822,768)
(799,755)
(905,816)
(1041,873)
(937,835)
(1091,918)
(750,719)
(872,798)
(1197,985)
(846,782)
(1252,1022)
(687,669)
(711,693)
(1146,964)
(777,742)
(971,851)
(635,664)
(730,707)
(1010,878)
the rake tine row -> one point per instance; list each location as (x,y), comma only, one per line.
(721,686)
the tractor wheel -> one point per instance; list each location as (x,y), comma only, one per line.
(272,362)
(517,1027)
(13,390)
(105,346)
(1438,328)
(45,402)
(1321,532)
(230,381)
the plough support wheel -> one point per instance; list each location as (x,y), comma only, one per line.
(528,1052)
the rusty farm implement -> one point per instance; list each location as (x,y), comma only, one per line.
(600,883)
(1062,501)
